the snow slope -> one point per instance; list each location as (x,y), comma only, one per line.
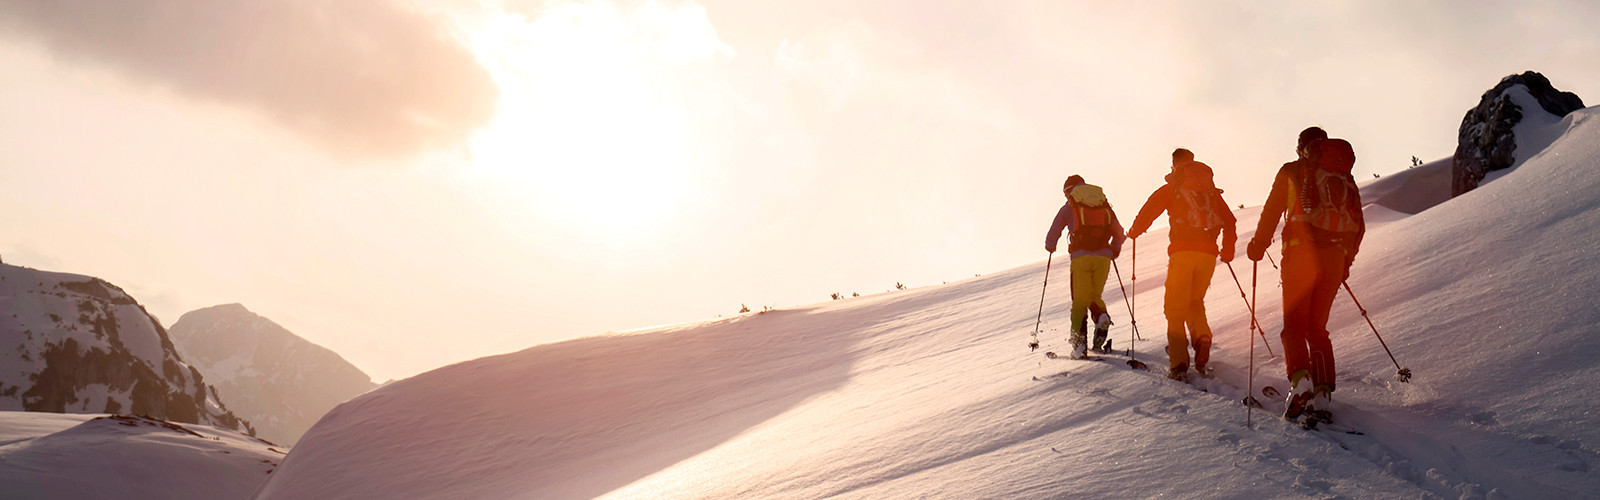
(1489,298)
(53,455)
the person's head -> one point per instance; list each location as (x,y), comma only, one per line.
(1181,155)
(1307,137)
(1074,180)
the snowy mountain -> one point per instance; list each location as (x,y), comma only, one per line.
(57,456)
(278,381)
(77,344)
(1488,298)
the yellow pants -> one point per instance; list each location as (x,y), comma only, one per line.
(1188,277)
(1089,274)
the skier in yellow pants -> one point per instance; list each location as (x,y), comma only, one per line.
(1096,239)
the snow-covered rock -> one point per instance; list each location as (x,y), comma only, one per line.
(268,375)
(77,344)
(1487,298)
(1503,128)
(51,456)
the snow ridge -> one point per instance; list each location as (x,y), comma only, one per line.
(932,392)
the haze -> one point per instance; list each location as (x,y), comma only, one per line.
(417,184)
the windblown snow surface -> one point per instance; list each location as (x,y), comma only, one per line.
(53,455)
(1489,298)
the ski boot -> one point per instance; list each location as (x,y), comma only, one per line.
(1317,410)
(1300,395)
(1179,373)
(1080,345)
(1080,350)
(1102,325)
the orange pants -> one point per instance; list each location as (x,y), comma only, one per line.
(1188,277)
(1311,278)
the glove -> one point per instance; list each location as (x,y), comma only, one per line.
(1257,249)
(1116,252)
(1135,234)
(1050,248)
(1226,255)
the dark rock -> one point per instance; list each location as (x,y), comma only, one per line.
(1486,142)
(111,357)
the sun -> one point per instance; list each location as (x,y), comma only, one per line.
(585,134)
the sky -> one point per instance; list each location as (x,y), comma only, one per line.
(418,184)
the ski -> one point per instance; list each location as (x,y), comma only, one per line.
(1053,355)
(1311,420)
(1103,356)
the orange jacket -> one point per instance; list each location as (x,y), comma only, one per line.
(1194,175)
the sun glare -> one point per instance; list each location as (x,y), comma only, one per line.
(584,135)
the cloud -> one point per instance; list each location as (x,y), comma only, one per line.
(368,79)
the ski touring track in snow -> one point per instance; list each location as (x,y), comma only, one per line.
(1420,463)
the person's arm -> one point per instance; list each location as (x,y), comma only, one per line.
(1230,234)
(1159,202)
(1361,232)
(1277,202)
(1117,236)
(1063,220)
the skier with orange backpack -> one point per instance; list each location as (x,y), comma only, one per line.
(1321,206)
(1095,239)
(1197,213)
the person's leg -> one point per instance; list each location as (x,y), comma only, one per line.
(1300,271)
(1097,307)
(1180,279)
(1096,314)
(1203,265)
(1081,279)
(1330,270)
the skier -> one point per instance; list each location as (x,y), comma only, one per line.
(1322,231)
(1095,239)
(1197,213)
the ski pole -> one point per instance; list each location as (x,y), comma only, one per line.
(1254,325)
(1135,278)
(1404,374)
(1132,320)
(1250,401)
(1269,260)
(1034,345)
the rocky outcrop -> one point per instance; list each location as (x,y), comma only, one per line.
(1486,140)
(78,344)
(280,382)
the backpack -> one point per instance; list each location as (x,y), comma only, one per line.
(1328,196)
(1193,193)
(1092,216)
